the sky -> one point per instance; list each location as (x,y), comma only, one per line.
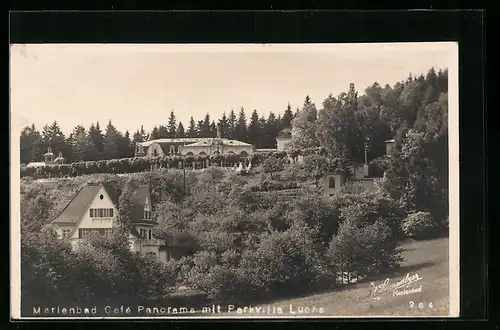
(134,85)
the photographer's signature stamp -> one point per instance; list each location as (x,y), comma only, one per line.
(400,288)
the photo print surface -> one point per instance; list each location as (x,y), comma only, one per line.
(234,180)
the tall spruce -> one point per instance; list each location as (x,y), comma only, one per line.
(111,142)
(254,129)
(232,124)
(192,133)
(97,137)
(180,131)
(172,125)
(224,125)
(241,126)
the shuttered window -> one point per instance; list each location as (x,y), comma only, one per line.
(101,213)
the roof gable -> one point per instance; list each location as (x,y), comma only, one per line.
(77,206)
(74,211)
(141,197)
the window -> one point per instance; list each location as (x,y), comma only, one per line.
(149,234)
(65,233)
(86,232)
(101,213)
(331,182)
(147,215)
(172,149)
(101,197)
(155,153)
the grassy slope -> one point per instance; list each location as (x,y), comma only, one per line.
(428,258)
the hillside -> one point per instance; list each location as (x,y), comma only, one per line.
(427,258)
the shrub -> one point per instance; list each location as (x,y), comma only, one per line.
(357,252)
(97,270)
(272,165)
(283,262)
(419,225)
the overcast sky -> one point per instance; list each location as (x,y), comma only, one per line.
(137,85)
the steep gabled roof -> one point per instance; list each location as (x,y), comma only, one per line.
(77,206)
(140,195)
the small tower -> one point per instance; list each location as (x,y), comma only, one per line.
(49,156)
(139,150)
(217,143)
(59,159)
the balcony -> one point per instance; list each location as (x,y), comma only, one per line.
(154,242)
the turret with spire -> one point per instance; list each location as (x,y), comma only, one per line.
(217,143)
(59,159)
(48,156)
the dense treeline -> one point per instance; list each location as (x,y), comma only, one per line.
(95,144)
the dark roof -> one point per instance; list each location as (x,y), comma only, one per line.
(140,195)
(74,210)
(285,133)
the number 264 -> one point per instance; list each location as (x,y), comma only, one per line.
(420,305)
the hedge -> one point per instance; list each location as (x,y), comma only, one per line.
(142,164)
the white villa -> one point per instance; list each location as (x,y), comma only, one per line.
(193,147)
(94,209)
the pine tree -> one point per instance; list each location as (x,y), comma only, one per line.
(224,125)
(232,125)
(192,133)
(200,129)
(180,131)
(213,129)
(286,120)
(241,126)
(262,137)
(140,135)
(97,137)
(304,126)
(172,125)
(83,148)
(163,132)
(205,130)
(53,137)
(155,134)
(307,101)
(124,146)
(271,130)
(111,142)
(254,128)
